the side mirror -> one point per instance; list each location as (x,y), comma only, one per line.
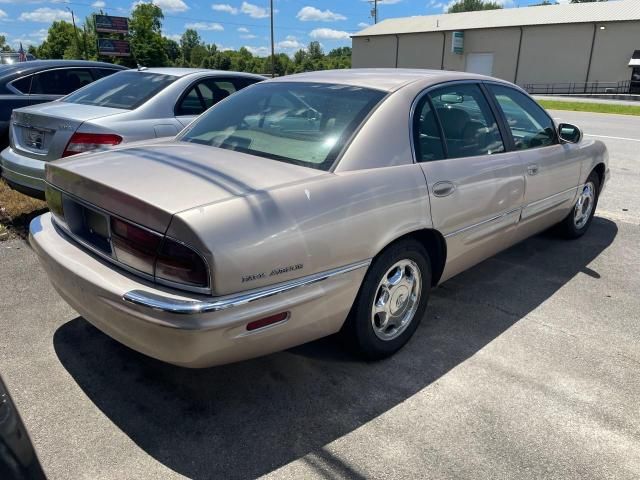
(569,133)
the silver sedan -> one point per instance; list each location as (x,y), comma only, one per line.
(129,106)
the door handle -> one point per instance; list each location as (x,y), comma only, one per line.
(443,189)
(532,169)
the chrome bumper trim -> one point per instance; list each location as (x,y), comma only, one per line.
(190,307)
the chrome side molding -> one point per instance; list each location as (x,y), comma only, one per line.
(189,307)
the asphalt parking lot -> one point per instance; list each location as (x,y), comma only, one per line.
(525,366)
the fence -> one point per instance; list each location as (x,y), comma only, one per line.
(578,88)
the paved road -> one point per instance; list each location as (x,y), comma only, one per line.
(621,133)
(526,366)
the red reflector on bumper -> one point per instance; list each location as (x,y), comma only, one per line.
(263,322)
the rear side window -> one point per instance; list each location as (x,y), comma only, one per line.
(470,128)
(530,126)
(426,133)
(60,81)
(127,90)
(23,85)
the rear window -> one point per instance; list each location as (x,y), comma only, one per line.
(126,90)
(305,124)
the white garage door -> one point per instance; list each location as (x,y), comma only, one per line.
(480,63)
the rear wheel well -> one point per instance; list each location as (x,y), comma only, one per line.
(599,169)
(436,247)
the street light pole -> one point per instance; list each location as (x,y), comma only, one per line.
(273,47)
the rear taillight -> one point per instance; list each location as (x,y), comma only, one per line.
(166,259)
(178,263)
(85,142)
(134,246)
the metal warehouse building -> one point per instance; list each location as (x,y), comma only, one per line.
(588,46)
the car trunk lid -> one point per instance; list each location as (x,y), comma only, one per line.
(43,131)
(149,182)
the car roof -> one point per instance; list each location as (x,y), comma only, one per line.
(32,66)
(386,79)
(181,72)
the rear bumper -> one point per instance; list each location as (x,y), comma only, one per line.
(195,331)
(22,171)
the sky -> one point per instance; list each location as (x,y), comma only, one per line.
(230,24)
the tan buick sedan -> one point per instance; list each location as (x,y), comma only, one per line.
(309,205)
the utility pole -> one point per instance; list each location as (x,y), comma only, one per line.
(374,10)
(273,47)
(84,41)
(75,31)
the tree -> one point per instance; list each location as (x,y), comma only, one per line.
(172,50)
(189,41)
(60,38)
(340,52)
(472,6)
(315,51)
(147,43)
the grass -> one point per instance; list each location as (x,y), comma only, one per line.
(16,211)
(591,107)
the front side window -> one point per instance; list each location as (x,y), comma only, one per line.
(469,126)
(305,124)
(60,82)
(126,89)
(530,126)
(426,133)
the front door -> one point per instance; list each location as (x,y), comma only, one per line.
(475,186)
(552,169)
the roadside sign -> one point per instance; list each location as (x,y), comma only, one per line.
(114,48)
(107,23)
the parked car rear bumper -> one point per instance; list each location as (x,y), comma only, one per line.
(192,337)
(22,171)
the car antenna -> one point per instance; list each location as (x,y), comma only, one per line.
(141,68)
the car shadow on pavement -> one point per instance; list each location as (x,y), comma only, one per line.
(247,419)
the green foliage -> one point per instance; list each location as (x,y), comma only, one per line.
(60,39)
(147,43)
(473,5)
(590,107)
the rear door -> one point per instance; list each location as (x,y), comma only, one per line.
(552,168)
(476,186)
(58,82)
(205,93)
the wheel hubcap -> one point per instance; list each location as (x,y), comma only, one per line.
(584,206)
(396,300)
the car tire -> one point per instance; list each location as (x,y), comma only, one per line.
(579,219)
(391,302)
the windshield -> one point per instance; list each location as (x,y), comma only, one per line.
(126,90)
(302,123)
